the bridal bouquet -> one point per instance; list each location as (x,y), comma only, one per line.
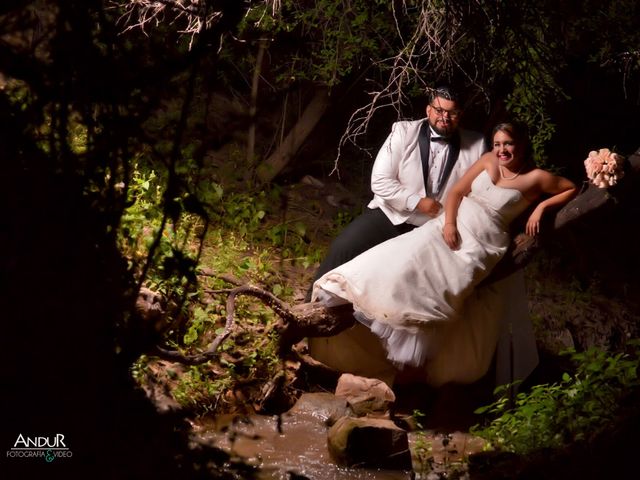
(604,167)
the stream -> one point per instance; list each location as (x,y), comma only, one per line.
(301,447)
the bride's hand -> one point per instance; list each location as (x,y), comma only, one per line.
(451,236)
(533,223)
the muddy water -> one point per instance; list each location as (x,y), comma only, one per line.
(298,445)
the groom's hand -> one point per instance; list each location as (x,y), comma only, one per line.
(429,206)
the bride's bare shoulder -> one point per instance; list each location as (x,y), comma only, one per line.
(541,174)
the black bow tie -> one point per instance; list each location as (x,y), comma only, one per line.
(436,138)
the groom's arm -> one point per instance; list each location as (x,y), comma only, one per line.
(385,175)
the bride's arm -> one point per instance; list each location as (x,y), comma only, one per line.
(561,190)
(461,188)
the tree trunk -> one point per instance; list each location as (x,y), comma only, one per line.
(312,114)
(251,137)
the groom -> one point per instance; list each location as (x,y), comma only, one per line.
(413,171)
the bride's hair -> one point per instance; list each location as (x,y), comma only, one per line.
(518,132)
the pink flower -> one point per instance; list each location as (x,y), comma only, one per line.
(604,167)
(618,159)
(593,167)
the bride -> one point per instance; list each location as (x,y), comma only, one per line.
(416,292)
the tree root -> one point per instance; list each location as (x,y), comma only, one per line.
(295,323)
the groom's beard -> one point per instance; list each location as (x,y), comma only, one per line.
(442,128)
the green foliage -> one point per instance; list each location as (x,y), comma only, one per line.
(246,358)
(20,95)
(199,389)
(242,212)
(555,415)
(607,33)
(424,462)
(242,216)
(174,261)
(339,36)
(201,320)
(422,448)
(526,53)
(291,240)
(139,369)
(342,219)
(77,136)
(254,218)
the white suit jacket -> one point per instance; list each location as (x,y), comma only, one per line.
(397,170)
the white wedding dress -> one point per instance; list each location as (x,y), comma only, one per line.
(418,296)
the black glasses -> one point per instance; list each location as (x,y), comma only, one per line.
(441,111)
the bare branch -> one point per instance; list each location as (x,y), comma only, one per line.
(194,16)
(430,48)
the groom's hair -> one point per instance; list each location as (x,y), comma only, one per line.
(444,91)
